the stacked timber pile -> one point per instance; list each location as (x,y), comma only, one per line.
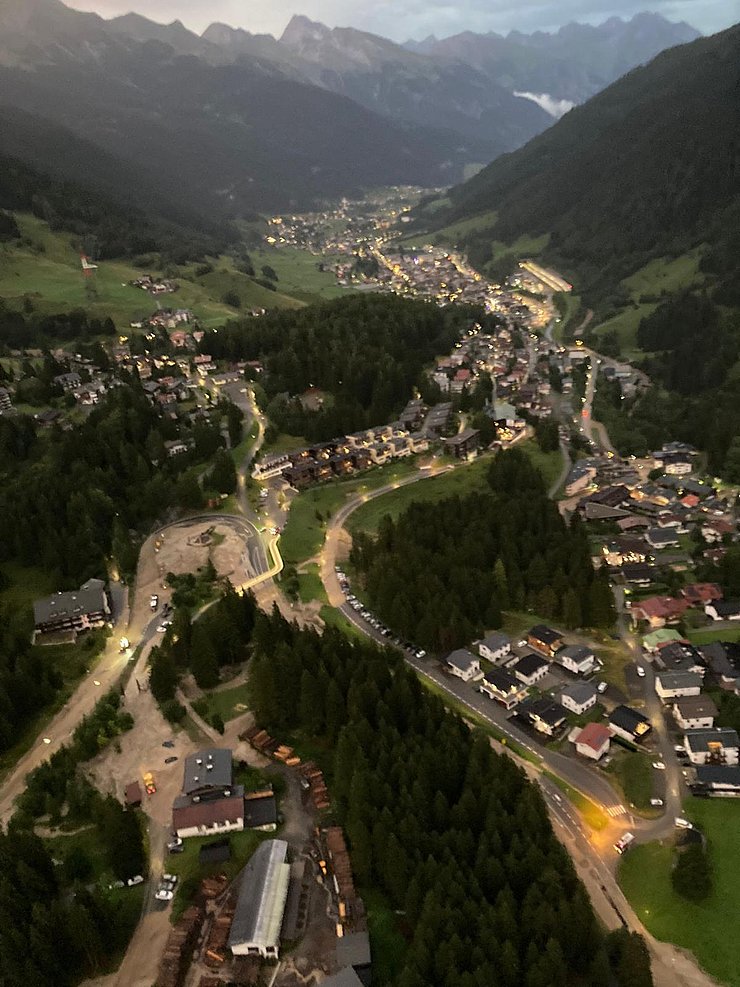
(214,953)
(178,952)
(317,790)
(265,744)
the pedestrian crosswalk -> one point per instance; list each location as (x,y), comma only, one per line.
(616,810)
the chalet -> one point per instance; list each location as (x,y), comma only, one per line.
(464,665)
(210,802)
(715,531)
(576,659)
(637,574)
(699,594)
(723,658)
(654,641)
(579,697)
(495,647)
(679,656)
(544,714)
(593,741)
(579,479)
(723,609)
(504,688)
(545,640)
(627,723)
(662,538)
(530,669)
(716,746)
(464,445)
(74,611)
(658,611)
(625,550)
(695,712)
(674,685)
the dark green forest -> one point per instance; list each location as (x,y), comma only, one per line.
(452,834)
(443,573)
(106,226)
(366,351)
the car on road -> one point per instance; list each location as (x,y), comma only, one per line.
(154,601)
(170,760)
(133,881)
(602,687)
(164,894)
(656,802)
(522,643)
(659,766)
(421,653)
(641,671)
(161,629)
(682,823)
(679,749)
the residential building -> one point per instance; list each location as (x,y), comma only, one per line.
(75,611)
(495,647)
(260,811)
(719,780)
(675,685)
(530,669)
(628,724)
(263,890)
(695,712)
(464,445)
(679,656)
(658,611)
(593,741)
(700,593)
(662,538)
(210,802)
(654,641)
(544,714)
(716,746)
(576,659)
(579,697)
(545,640)
(464,665)
(723,658)
(498,684)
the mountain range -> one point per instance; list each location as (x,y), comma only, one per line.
(229,122)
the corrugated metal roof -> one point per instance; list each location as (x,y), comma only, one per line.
(263,890)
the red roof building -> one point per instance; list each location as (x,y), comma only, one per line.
(593,741)
(701,593)
(659,610)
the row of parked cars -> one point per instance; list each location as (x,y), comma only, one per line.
(374,621)
(166,889)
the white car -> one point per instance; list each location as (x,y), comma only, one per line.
(161,629)
(169,878)
(656,802)
(641,671)
(602,687)
(133,881)
(659,766)
(164,894)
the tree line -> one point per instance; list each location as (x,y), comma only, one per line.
(452,835)
(443,573)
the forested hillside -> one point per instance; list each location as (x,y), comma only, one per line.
(453,835)
(443,573)
(366,351)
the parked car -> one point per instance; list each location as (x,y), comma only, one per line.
(168,743)
(133,881)
(656,802)
(602,687)
(164,894)
(682,823)
(154,601)
(641,671)
(679,749)
(659,766)
(170,760)
(169,879)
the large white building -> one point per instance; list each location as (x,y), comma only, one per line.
(263,890)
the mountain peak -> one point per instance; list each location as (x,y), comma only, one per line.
(301,29)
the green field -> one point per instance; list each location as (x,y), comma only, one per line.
(707,635)
(461,481)
(660,276)
(634,774)
(46,268)
(310,586)
(335,618)
(570,306)
(455,232)
(228,703)
(298,273)
(303,534)
(707,929)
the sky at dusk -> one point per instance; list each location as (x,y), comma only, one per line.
(417,18)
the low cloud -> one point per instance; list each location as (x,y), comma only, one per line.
(555,107)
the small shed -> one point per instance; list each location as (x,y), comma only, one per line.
(132,795)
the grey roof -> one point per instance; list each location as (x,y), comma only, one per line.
(679,680)
(580,692)
(263,889)
(61,605)
(461,659)
(627,718)
(354,949)
(692,706)
(207,769)
(345,978)
(721,775)
(700,740)
(575,651)
(502,680)
(496,641)
(545,634)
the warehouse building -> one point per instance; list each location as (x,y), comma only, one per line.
(263,890)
